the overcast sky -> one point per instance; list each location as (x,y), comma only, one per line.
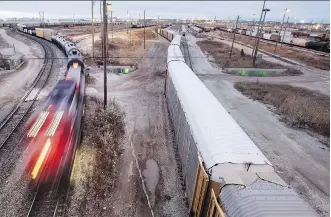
(303,10)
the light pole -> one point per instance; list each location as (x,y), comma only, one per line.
(92,32)
(285,30)
(258,39)
(111,17)
(281,25)
(144,31)
(112,26)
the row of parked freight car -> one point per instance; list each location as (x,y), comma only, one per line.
(287,39)
(225,173)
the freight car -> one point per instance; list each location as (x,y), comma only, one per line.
(290,40)
(224,172)
(318,45)
(166,34)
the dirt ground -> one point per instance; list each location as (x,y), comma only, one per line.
(320,62)
(148,182)
(220,53)
(299,107)
(124,49)
(82,30)
(300,158)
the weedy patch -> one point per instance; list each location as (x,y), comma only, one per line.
(96,164)
(299,107)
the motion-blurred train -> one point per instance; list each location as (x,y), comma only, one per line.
(49,132)
(52,127)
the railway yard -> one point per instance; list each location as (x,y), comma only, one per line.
(187,130)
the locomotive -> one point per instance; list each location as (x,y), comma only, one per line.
(51,130)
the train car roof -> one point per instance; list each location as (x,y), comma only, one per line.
(174,54)
(220,139)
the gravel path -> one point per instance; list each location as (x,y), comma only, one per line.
(148,140)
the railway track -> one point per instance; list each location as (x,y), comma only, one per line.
(51,199)
(293,46)
(186,52)
(10,125)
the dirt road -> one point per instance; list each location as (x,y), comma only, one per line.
(298,157)
(149,181)
(314,79)
(14,84)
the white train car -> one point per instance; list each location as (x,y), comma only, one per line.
(220,163)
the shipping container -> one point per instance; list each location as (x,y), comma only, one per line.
(275,37)
(40,32)
(48,33)
(299,41)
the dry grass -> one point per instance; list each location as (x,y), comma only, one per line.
(299,107)
(149,35)
(220,52)
(126,49)
(90,79)
(96,163)
(320,62)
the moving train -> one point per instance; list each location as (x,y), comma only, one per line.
(49,132)
(224,172)
(75,64)
(52,128)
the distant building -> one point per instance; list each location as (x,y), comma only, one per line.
(11,59)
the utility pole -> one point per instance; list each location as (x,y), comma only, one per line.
(234,36)
(105,36)
(127,17)
(258,29)
(144,31)
(112,26)
(92,32)
(100,14)
(258,39)
(285,30)
(281,25)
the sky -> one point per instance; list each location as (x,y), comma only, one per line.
(307,11)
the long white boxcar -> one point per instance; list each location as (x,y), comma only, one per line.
(218,158)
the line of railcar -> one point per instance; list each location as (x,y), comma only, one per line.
(224,172)
(323,46)
(51,127)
